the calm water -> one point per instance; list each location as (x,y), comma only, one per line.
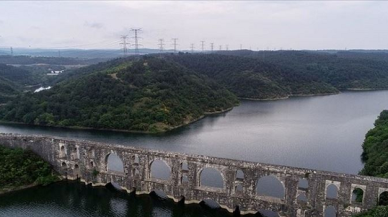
(323,133)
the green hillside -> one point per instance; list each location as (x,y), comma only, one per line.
(148,95)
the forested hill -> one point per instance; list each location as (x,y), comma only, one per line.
(148,94)
(343,70)
(254,79)
(375,158)
(8,90)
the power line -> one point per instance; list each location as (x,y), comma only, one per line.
(203,45)
(192,48)
(124,43)
(136,40)
(174,43)
(161,44)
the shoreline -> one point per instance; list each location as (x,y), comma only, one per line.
(124,131)
(290,96)
(10,190)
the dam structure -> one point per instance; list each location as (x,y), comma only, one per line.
(305,191)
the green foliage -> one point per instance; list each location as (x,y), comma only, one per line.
(148,94)
(19,168)
(380,211)
(274,74)
(254,79)
(375,157)
(375,148)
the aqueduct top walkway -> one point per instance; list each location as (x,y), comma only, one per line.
(88,161)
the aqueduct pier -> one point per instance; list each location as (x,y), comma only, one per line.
(88,161)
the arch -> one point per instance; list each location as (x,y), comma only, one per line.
(211,177)
(136,159)
(62,150)
(239,174)
(114,163)
(91,164)
(159,194)
(184,166)
(210,203)
(383,198)
(135,172)
(331,191)
(184,179)
(330,211)
(267,213)
(303,183)
(302,197)
(270,186)
(160,170)
(64,165)
(238,188)
(357,195)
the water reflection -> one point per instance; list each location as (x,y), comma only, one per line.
(76,199)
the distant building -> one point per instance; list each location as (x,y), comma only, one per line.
(53,72)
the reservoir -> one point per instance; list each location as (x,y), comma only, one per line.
(323,132)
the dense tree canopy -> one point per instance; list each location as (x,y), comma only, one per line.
(375,158)
(149,94)
(251,78)
(19,168)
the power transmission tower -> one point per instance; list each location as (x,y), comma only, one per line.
(220,47)
(240,46)
(212,46)
(192,48)
(124,43)
(227,47)
(174,43)
(161,44)
(11,51)
(59,53)
(203,45)
(136,40)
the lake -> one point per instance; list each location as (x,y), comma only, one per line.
(323,132)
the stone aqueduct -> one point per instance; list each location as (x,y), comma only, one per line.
(88,161)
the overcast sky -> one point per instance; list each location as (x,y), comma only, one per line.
(254,24)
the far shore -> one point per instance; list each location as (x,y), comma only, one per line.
(124,131)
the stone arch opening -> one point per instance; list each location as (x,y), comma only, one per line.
(184,166)
(114,163)
(184,179)
(302,197)
(136,159)
(135,173)
(303,183)
(331,192)
(114,186)
(159,194)
(160,170)
(209,203)
(330,211)
(76,170)
(238,189)
(64,165)
(62,150)
(211,177)
(240,174)
(267,213)
(91,164)
(357,195)
(270,186)
(383,198)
